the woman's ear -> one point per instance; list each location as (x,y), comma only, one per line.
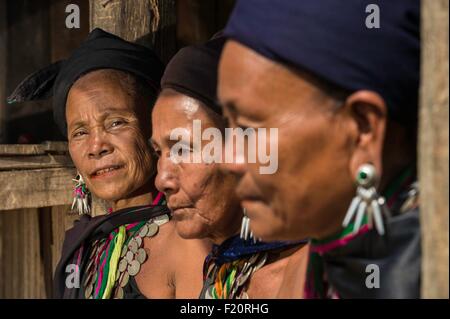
(368,111)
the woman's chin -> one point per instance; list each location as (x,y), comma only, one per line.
(108,195)
(188,229)
(267,231)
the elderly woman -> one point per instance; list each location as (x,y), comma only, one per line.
(201,197)
(343,95)
(103,95)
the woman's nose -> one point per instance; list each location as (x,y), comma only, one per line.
(99,145)
(166,180)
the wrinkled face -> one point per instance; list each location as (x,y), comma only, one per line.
(108,130)
(310,191)
(200,196)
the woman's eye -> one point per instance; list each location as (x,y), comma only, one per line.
(79,133)
(117,123)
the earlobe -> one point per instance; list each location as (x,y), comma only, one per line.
(368,110)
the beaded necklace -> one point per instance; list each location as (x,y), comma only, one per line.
(231,279)
(228,268)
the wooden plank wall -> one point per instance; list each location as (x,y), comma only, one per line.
(36,175)
(433,149)
(22,269)
(36,179)
(30,247)
(34,215)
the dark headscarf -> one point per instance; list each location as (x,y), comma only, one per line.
(193,72)
(330,39)
(101,50)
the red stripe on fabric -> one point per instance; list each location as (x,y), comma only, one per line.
(320,249)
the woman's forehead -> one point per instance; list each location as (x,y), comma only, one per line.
(178,113)
(179,108)
(98,101)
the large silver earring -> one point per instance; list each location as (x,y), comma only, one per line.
(246,233)
(81,196)
(367,201)
(245,226)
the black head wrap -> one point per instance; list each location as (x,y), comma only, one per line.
(193,72)
(330,39)
(101,50)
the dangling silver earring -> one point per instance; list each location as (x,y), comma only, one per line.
(245,226)
(246,233)
(81,196)
(367,201)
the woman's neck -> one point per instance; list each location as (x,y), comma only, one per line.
(141,197)
(218,239)
(231,230)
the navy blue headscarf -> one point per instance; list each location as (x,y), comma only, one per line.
(330,39)
(193,72)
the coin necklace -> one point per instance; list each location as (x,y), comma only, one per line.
(114,259)
(106,276)
(231,279)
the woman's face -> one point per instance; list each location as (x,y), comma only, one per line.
(108,132)
(310,191)
(201,197)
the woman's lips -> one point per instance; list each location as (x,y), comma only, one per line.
(177,214)
(246,193)
(249,197)
(254,206)
(106,171)
(179,209)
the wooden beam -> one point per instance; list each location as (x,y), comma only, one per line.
(64,40)
(36,188)
(164,39)
(8,163)
(151,23)
(37,156)
(433,149)
(199,20)
(34,149)
(196,21)
(3,64)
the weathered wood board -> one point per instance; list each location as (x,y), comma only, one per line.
(433,149)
